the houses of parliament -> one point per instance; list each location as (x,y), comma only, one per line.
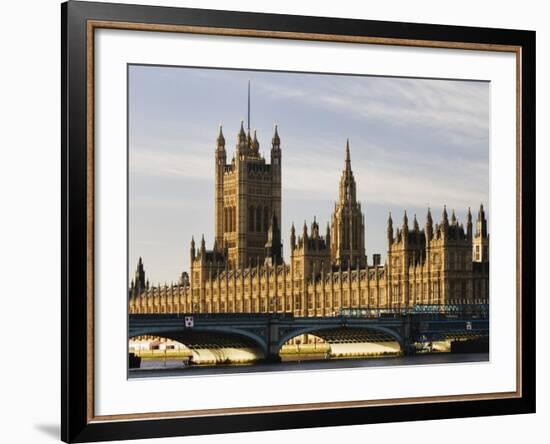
(244,271)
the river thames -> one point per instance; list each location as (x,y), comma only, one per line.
(174,367)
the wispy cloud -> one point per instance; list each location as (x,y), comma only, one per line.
(457,108)
(155,162)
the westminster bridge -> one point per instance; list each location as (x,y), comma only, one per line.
(270,331)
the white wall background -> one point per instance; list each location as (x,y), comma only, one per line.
(30,208)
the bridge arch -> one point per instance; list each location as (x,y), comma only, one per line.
(180,334)
(320,328)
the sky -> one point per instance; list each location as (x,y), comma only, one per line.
(414,143)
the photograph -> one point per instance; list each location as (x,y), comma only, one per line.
(273,220)
(285,221)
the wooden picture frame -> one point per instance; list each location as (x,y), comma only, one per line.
(79,22)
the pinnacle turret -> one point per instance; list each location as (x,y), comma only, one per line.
(429,225)
(481,213)
(139,276)
(276,140)
(192,248)
(221,139)
(242,135)
(314,228)
(469,231)
(481,223)
(255,143)
(273,246)
(292,236)
(389,228)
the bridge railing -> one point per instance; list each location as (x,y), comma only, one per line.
(474,311)
(427,311)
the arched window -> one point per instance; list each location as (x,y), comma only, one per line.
(266,219)
(251,218)
(228,227)
(259,219)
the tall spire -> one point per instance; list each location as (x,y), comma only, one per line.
(348,160)
(348,227)
(347,181)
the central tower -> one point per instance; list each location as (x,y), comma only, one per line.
(348,223)
(247,196)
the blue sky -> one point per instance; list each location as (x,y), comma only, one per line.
(414,143)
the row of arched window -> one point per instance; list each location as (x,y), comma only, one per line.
(258,218)
(346,241)
(229,219)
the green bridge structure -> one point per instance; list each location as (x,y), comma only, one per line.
(270,331)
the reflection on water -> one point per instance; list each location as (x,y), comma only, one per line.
(174,367)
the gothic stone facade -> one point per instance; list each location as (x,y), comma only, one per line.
(244,272)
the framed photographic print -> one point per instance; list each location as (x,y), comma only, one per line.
(275,221)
